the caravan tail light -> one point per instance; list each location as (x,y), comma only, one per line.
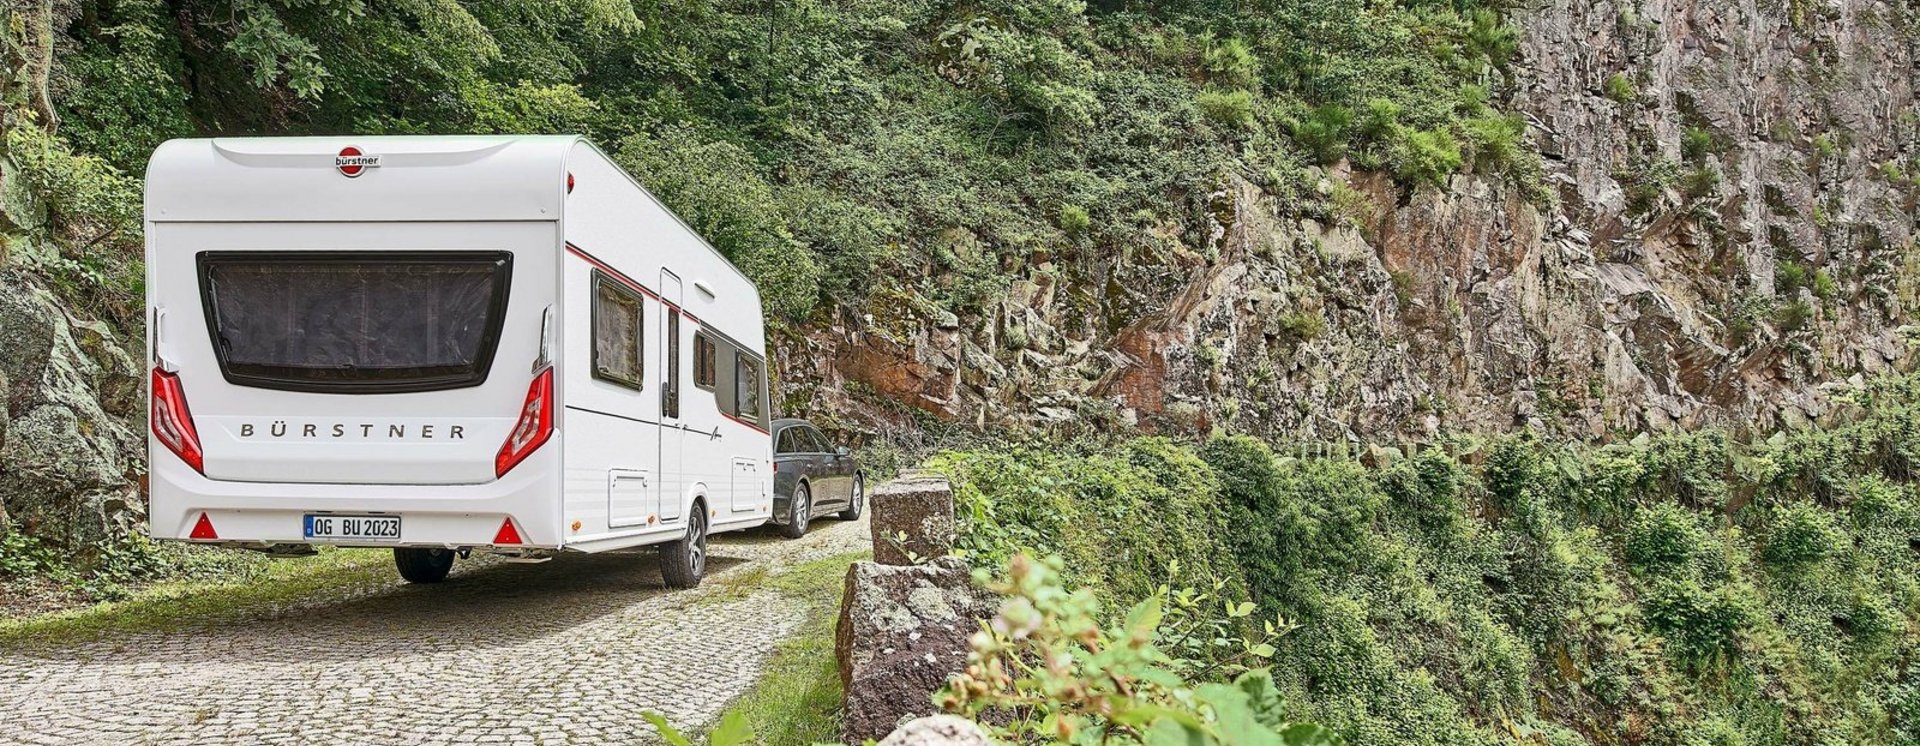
(171,422)
(534,427)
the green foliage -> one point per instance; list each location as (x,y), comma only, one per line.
(1495,141)
(1700,625)
(1323,133)
(1127,520)
(1231,109)
(1303,326)
(1824,286)
(1696,143)
(1620,89)
(1794,316)
(1231,63)
(1016,63)
(1074,219)
(1798,536)
(1426,157)
(716,187)
(1663,539)
(1048,660)
(857,153)
(1681,588)
(732,730)
(1646,181)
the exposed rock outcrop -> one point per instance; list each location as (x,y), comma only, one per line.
(1734,229)
(912,520)
(71,419)
(903,631)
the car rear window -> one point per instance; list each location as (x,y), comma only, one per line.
(355,321)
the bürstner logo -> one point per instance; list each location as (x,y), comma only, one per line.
(352,162)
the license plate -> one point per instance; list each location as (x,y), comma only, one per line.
(359,527)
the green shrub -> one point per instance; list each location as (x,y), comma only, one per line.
(1696,143)
(1620,89)
(1700,625)
(717,188)
(1303,326)
(1231,63)
(1426,157)
(1794,316)
(1495,141)
(1121,517)
(1074,219)
(1662,539)
(1228,108)
(1789,276)
(1323,133)
(1824,286)
(1800,535)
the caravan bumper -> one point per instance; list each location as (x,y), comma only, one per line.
(461,515)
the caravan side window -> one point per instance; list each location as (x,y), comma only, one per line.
(616,333)
(706,361)
(746,388)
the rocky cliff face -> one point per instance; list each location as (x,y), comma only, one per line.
(72,418)
(1732,229)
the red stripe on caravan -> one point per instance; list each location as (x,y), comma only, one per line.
(628,281)
(753,425)
(616,274)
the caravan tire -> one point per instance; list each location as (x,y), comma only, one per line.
(856,501)
(684,560)
(799,512)
(423,564)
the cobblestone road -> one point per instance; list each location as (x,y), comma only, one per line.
(566,652)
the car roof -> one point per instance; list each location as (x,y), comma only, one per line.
(785,422)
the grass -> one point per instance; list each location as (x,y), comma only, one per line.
(797,700)
(177,604)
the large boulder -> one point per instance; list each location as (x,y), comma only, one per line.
(903,631)
(912,520)
(71,421)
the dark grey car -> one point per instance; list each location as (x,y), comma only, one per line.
(812,478)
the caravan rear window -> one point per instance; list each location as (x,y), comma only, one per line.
(355,321)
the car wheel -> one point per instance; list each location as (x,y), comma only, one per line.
(799,511)
(684,561)
(423,564)
(856,501)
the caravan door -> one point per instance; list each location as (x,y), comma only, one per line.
(673,482)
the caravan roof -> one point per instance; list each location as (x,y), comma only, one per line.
(421,178)
(416,179)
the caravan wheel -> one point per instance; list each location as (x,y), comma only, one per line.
(682,562)
(423,564)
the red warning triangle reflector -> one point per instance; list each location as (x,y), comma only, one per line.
(203,529)
(507,534)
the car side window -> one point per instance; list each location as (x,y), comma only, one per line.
(820,444)
(787,442)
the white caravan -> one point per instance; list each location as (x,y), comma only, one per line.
(443,345)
